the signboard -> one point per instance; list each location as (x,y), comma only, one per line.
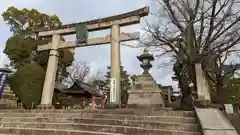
(113,90)
(229,108)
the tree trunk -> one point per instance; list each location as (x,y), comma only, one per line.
(186,100)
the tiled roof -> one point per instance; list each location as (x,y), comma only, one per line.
(231,68)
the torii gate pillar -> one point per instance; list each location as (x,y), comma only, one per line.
(49,83)
(115,89)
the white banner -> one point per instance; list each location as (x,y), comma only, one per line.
(113,90)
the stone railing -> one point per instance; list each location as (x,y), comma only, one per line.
(214,122)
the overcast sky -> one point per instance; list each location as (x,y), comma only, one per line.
(70,11)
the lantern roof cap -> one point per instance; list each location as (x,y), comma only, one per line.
(145,55)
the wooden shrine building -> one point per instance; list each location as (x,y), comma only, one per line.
(79,94)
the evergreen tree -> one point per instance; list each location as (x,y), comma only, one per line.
(28,85)
(125,84)
(230,93)
(21,47)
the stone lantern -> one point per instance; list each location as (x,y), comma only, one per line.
(146,92)
(146,59)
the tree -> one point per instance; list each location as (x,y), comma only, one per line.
(230,93)
(134,78)
(231,86)
(193,31)
(81,72)
(125,84)
(20,47)
(25,20)
(181,76)
(21,50)
(27,85)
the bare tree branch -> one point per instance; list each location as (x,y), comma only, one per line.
(80,71)
(197,31)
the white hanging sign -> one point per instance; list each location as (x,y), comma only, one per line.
(113,90)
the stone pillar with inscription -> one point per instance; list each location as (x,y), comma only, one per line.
(203,89)
(115,91)
(146,92)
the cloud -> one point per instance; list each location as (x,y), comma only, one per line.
(75,11)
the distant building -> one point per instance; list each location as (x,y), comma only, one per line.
(232,70)
(76,94)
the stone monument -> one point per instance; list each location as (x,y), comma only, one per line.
(203,88)
(145,92)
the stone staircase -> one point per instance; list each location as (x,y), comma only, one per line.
(98,122)
(8,98)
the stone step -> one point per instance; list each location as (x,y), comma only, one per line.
(8,93)
(101,121)
(43,131)
(174,119)
(99,110)
(8,134)
(98,128)
(110,111)
(8,96)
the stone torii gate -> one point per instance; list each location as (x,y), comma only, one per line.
(114,23)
